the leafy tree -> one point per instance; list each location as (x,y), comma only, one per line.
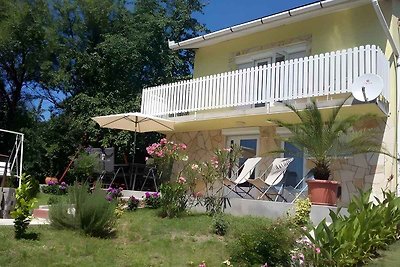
(88,58)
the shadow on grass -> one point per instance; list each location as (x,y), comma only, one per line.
(29,236)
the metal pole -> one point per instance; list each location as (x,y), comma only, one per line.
(21,159)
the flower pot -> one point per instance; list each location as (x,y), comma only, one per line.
(51,179)
(323,192)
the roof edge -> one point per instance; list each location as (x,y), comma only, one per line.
(274,20)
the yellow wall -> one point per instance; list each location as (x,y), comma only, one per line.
(340,30)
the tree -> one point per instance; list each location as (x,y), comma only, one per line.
(26,54)
(322,141)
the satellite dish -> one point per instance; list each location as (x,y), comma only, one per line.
(367,87)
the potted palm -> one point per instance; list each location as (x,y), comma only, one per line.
(323,139)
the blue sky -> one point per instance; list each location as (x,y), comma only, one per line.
(219,14)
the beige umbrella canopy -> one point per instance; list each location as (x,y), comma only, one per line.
(136,122)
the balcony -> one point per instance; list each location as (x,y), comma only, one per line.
(326,74)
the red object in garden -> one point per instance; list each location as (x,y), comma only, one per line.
(51,179)
(323,192)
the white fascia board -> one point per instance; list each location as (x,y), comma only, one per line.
(297,14)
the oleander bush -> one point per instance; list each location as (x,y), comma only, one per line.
(89,212)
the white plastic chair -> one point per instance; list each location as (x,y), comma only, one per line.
(246,170)
(278,168)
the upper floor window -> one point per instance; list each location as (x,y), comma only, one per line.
(273,55)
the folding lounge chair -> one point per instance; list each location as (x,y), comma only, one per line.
(246,169)
(278,168)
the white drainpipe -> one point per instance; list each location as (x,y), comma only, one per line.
(396,51)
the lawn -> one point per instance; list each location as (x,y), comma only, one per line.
(390,257)
(143,239)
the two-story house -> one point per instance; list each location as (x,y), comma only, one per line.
(244,73)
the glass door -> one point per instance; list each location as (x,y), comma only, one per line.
(295,171)
(249,146)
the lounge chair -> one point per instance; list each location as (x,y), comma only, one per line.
(268,186)
(246,170)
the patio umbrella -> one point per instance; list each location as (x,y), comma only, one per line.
(136,122)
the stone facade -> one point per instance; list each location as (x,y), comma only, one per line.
(364,171)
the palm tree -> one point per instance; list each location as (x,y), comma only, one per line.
(322,141)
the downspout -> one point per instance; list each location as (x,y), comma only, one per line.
(396,52)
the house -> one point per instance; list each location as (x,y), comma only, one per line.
(244,73)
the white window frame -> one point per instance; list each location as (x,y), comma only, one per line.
(253,58)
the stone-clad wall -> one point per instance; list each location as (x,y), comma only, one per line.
(200,145)
(364,171)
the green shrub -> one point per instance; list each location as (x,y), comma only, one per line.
(354,239)
(173,201)
(85,211)
(272,245)
(24,204)
(133,203)
(219,224)
(152,200)
(34,188)
(53,188)
(302,212)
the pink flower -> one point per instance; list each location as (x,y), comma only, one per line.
(203,264)
(163,141)
(146,158)
(264,265)
(183,146)
(317,250)
(181,180)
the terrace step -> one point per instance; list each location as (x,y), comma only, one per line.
(41,213)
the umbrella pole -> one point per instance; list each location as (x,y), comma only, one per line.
(133,169)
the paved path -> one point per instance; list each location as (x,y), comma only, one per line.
(35,221)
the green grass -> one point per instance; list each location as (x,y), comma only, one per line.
(390,257)
(42,199)
(143,239)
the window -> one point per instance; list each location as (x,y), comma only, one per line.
(274,55)
(249,146)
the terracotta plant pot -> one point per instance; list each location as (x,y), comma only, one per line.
(50,179)
(323,192)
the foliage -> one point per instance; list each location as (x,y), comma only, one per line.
(152,200)
(174,199)
(219,224)
(271,244)
(24,204)
(53,199)
(165,153)
(85,165)
(119,209)
(113,193)
(336,137)
(34,187)
(302,212)
(133,203)
(63,62)
(84,211)
(53,188)
(354,239)
(211,174)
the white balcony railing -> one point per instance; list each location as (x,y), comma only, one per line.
(320,75)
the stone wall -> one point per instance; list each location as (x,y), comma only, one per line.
(364,171)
